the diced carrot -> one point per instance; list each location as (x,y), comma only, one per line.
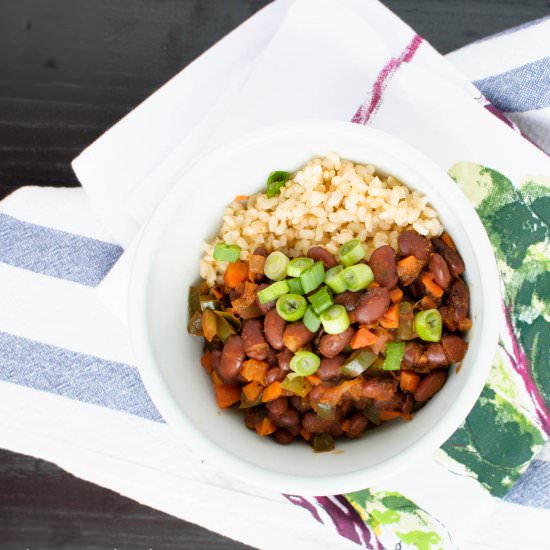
(428,302)
(446,238)
(206,361)
(235,274)
(407,416)
(433,288)
(252,391)
(313,379)
(374,284)
(396,295)
(388,415)
(345,424)
(216,380)
(362,338)
(305,434)
(408,381)
(217,293)
(465,324)
(254,371)
(272,391)
(266,427)
(227,395)
(240,198)
(408,268)
(390,319)
(383,336)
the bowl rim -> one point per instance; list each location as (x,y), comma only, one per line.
(219,458)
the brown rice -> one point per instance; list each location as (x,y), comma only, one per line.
(327,202)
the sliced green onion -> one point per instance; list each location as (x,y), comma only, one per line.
(291,307)
(295,286)
(311,320)
(321,300)
(298,265)
(305,363)
(326,411)
(272,292)
(335,319)
(311,278)
(334,279)
(227,252)
(296,384)
(322,443)
(275,182)
(357,277)
(358,362)
(275,266)
(428,325)
(351,252)
(394,354)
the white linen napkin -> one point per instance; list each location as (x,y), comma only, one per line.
(68,389)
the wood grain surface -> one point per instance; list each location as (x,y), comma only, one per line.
(69,69)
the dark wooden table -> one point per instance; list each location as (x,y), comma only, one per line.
(69,69)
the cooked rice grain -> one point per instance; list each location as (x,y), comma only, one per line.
(328,202)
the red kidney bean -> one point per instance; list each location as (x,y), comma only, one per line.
(272,358)
(408,404)
(277,406)
(283,358)
(413,354)
(447,315)
(453,259)
(314,424)
(254,342)
(330,367)
(274,375)
(232,359)
(372,305)
(440,271)
(252,418)
(439,244)
(380,389)
(357,425)
(296,336)
(283,437)
(394,403)
(383,265)
(288,419)
(264,308)
(336,429)
(413,243)
(455,347)
(261,251)
(436,356)
(459,300)
(331,345)
(301,405)
(348,299)
(216,357)
(320,254)
(274,326)
(430,385)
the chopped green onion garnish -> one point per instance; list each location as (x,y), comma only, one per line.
(311,320)
(272,292)
(311,278)
(351,252)
(296,384)
(275,266)
(321,300)
(322,443)
(357,277)
(335,280)
(291,307)
(305,363)
(394,354)
(275,182)
(295,286)
(335,319)
(326,411)
(298,265)
(428,325)
(358,362)
(227,252)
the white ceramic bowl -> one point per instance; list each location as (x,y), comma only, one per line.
(167,262)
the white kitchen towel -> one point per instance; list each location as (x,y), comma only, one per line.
(70,392)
